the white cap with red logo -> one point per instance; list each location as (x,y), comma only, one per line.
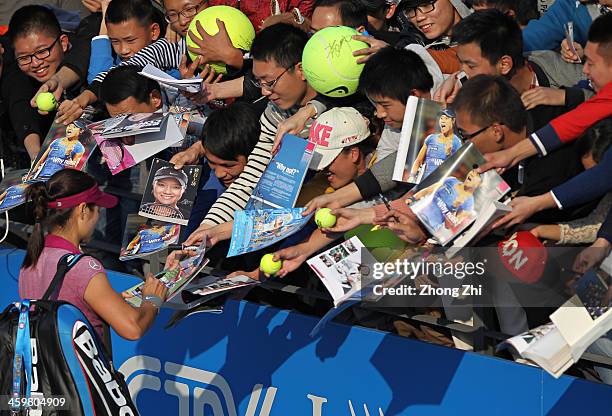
(333,131)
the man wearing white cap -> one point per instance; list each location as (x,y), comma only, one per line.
(342,150)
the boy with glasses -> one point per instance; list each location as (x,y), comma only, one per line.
(277,70)
(169,56)
(39,50)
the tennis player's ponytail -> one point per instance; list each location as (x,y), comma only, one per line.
(62,184)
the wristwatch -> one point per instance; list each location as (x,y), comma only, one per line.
(155,300)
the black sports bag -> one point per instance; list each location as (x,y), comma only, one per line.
(53,363)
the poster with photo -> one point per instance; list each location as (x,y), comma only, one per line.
(64,147)
(452,197)
(174,279)
(144,237)
(257,229)
(427,139)
(12,189)
(124,145)
(170,193)
(341,268)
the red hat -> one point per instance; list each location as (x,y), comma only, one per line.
(523,255)
(92,195)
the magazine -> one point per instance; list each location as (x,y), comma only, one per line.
(543,346)
(174,279)
(64,147)
(170,192)
(481,226)
(280,184)
(12,189)
(257,229)
(340,268)
(209,285)
(455,194)
(144,237)
(192,85)
(587,316)
(427,139)
(578,323)
(123,145)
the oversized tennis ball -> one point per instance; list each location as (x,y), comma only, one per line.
(239,29)
(45,101)
(328,62)
(324,218)
(269,266)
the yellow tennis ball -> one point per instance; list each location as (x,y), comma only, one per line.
(238,26)
(328,62)
(269,266)
(45,101)
(324,218)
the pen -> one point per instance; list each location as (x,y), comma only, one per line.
(388,205)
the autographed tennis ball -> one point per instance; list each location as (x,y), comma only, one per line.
(328,61)
(239,29)
(268,265)
(324,218)
(45,101)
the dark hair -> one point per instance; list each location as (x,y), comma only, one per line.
(376,8)
(352,13)
(496,33)
(123,82)
(597,140)
(489,99)
(394,73)
(524,10)
(232,131)
(31,19)
(124,10)
(600,33)
(281,43)
(63,183)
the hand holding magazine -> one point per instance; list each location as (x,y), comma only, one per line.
(455,194)
(174,279)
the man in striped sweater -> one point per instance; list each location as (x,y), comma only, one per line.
(277,70)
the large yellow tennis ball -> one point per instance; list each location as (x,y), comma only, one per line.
(269,266)
(324,218)
(328,62)
(239,29)
(45,101)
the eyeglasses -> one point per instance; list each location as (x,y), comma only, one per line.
(188,12)
(39,54)
(429,7)
(465,136)
(270,84)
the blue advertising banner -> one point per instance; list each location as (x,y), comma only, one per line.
(254,360)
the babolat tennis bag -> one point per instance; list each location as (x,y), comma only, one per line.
(52,361)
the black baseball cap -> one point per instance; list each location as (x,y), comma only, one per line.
(169,172)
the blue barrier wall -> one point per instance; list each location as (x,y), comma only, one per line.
(255,361)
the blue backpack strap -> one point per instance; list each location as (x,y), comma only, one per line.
(65,263)
(22,360)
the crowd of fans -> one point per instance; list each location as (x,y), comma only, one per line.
(537,107)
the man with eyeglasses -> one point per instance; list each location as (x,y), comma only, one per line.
(39,48)
(168,56)
(491,115)
(277,71)
(435,19)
